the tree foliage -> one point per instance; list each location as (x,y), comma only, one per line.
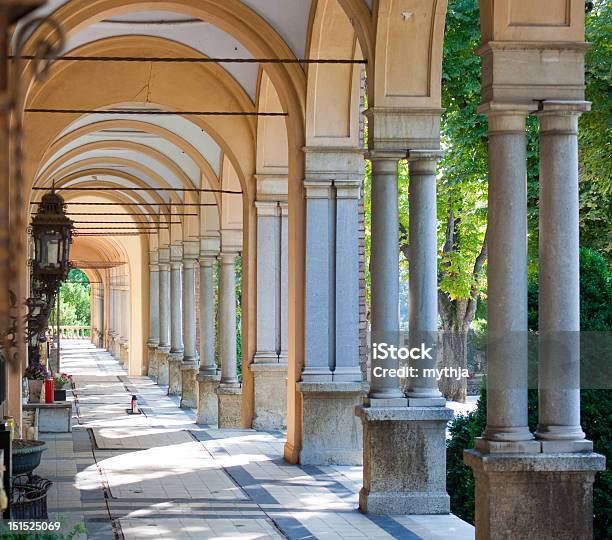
(595,163)
(75,300)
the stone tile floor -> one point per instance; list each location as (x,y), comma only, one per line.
(159,475)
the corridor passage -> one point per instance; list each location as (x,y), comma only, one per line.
(159,475)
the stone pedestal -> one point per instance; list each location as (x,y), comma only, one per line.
(162,366)
(174,374)
(534,495)
(152,352)
(230,405)
(332,435)
(189,389)
(270,389)
(404,460)
(208,401)
(124,357)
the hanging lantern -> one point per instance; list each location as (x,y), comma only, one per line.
(52,234)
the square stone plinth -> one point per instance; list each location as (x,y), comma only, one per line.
(174,374)
(230,406)
(162,366)
(270,392)
(543,496)
(331,433)
(189,388)
(152,370)
(404,460)
(208,401)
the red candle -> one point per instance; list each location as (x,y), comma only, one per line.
(49,391)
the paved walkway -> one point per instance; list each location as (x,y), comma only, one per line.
(159,475)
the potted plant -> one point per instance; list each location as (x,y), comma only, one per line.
(60,382)
(35,374)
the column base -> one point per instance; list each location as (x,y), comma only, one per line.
(152,371)
(270,395)
(189,390)
(331,433)
(174,374)
(124,355)
(404,454)
(208,402)
(162,366)
(229,406)
(534,496)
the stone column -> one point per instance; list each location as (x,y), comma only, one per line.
(153,341)
(555,474)
(507,429)
(404,440)
(176,320)
(332,384)
(163,349)
(229,391)
(559,267)
(423,284)
(125,321)
(208,377)
(189,365)
(269,365)
(384,387)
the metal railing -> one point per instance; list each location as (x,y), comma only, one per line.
(75,332)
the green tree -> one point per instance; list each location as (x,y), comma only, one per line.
(595,163)
(75,300)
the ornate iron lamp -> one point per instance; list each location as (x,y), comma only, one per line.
(52,233)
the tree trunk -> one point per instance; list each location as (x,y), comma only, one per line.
(454,351)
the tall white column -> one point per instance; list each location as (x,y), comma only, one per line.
(164,317)
(190,354)
(319,326)
(269,365)
(346,281)
(269,283)
(189,364)
(423,283)
(153,302)
(227,319)
(332,384)
(208,377)
(207,315)
(164,300)
(384,387)
(176,309)
(559,268)
(176,320)
(507,427)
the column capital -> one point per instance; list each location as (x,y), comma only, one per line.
(163,256)
(207,258)
(176,252)
(561,117)
(190,262)
(228,257)
(424,161)
(267,208)
(153,257)
(507,117)
(347,190)
(386,155)
(318,189)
